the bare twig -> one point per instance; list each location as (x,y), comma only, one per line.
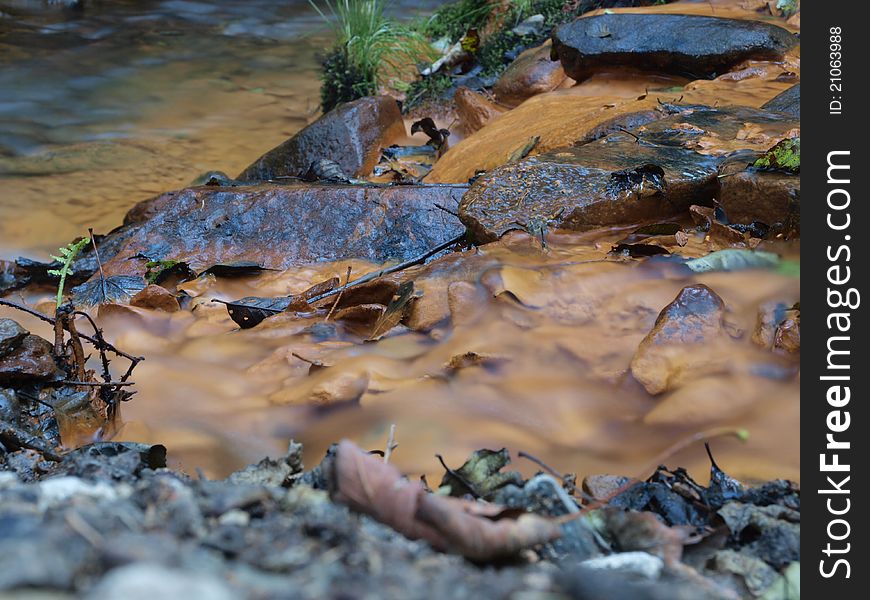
(388,270)
(77,350)
(91,383)
(566,481)
(100,344)
(337,300)
(459,478)
(391,443)
(47,319)
(99,264)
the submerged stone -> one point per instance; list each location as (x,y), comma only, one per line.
(277,226)
(681,341)
(352,135)
(693,46)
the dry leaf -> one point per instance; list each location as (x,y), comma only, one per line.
(478,531)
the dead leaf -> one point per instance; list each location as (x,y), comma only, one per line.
(368,485)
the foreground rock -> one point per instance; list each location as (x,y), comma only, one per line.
(682,341)
(352,135)
(656,172)
(276,226)
(694,46)
(110,521)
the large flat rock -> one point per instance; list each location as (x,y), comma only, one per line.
(688,45)
(657,171)
(352,135)
(278,226)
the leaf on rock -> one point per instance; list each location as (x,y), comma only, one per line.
(250,311)
(734,260)
(638,250)
(234,269)
(785,156)
(481,532)
(392,316)
(116,288)
(524,150)
(482,472)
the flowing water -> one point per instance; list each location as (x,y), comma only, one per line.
(102,109)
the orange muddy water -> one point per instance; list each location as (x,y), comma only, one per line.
(535,349)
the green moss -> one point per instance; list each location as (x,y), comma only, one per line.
(785,156)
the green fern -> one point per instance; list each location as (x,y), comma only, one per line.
(67,256)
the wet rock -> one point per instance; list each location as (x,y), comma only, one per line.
(694,46)
(533,72)
(352,135)
(772,533)
(11,336)
(788,336)
(155,297)
(277,473)
(9,406)
(770,315)
(657,171)
(112,461)
(31,361)
(682,341)
(545,495)
(277,226)
(748,194)
(788,102)
(147,581)
(474,110)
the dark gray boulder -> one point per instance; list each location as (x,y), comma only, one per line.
(352,135)
(693,46)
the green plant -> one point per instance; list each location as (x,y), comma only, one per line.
(67,256)
(455,19)
(369,48)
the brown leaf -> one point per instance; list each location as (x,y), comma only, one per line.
(478,531)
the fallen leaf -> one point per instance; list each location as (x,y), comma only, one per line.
(116,289)
(481,532)
(734,260)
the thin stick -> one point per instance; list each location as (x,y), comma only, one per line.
(99,264)
(47,319)
(447,210)
(91,383)
(101,345)
(388,270)
(78,351)
(459,477)
(371,276)
(337,300)
(391,444)
(565,481)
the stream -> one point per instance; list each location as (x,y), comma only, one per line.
(130,99)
